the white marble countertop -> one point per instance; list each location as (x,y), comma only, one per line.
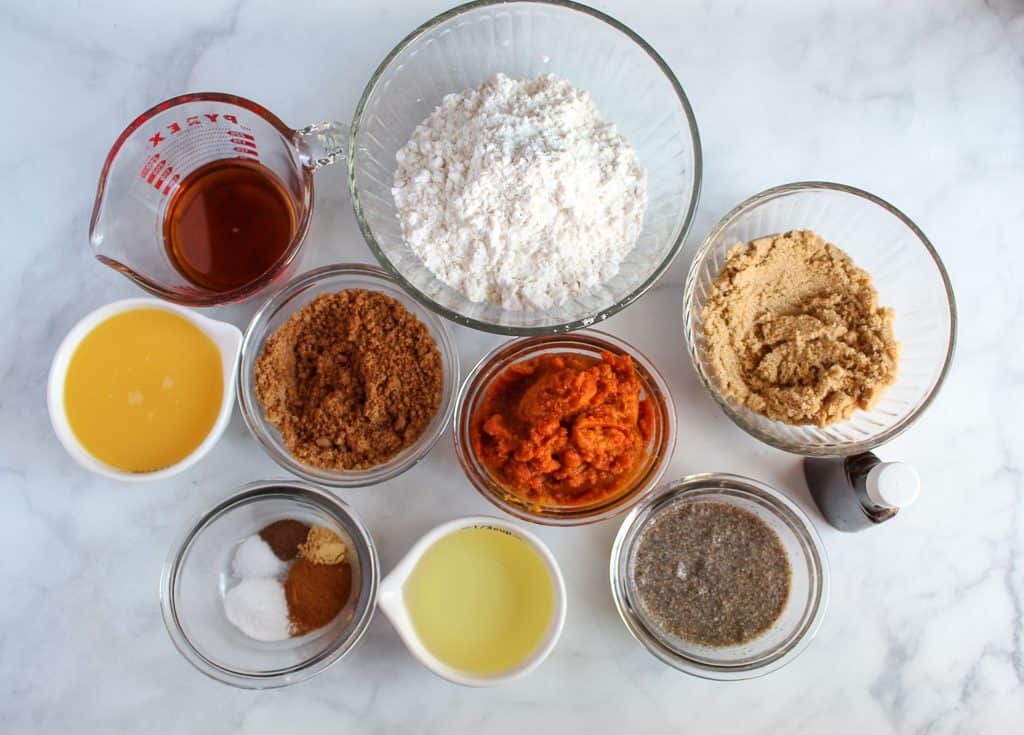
(920,102)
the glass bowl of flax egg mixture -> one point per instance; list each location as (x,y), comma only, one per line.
(816,355)
(361,387)
(720,576)
(254,596)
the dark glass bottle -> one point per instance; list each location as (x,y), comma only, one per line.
(861,491)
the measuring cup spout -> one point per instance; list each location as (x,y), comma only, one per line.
(322,144)
(107,240)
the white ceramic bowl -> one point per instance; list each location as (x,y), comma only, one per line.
(392,603)
(226,336)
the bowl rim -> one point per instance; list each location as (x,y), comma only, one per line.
(522,348)
(226,337)
(484,326)
(252,411)
(840,448)
(711,482)
(249,492)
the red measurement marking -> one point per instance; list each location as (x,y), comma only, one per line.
(163,176)
(158,169)
(155,170)
(170,184)
(148,165)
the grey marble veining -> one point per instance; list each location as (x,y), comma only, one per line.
(920,102)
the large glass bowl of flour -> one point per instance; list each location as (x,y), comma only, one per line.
(458,50)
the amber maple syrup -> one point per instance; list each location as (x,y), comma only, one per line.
(228,223)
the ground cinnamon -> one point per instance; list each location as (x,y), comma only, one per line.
(316,593)
(350,380)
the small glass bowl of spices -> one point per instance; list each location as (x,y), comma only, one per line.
(271,586)
(720,576)
(565,429)
(345,380)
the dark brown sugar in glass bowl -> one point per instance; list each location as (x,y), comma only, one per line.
(711,573)
(350,380)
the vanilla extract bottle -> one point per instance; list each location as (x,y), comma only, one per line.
(860,491)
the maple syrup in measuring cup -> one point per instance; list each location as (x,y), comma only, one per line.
(228,223)
(206,198)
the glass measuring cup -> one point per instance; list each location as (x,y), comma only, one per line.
(161,147)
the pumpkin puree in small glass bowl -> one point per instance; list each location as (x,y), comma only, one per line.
(565,429)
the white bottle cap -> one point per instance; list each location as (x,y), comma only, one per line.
(892,484)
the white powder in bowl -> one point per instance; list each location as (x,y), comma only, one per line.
(517,193)
(255,558)
(257,606)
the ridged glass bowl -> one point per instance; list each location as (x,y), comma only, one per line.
(631,85)
(905,269)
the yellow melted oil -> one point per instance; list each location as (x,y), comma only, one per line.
(481,600)
(143,389)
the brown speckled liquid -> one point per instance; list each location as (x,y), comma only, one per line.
(229,222)
(712,573)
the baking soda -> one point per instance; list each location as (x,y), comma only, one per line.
(257,606)
(255,558)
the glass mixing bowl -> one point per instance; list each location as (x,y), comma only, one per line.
(197,575)
(589,342)
(459,49)
(290,299)
(809,585)
(905,269)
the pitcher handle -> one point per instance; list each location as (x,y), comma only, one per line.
(322,144)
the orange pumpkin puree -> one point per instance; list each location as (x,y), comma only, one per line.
(564,429)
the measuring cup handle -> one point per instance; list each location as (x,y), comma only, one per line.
(322,144)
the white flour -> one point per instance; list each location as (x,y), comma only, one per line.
(517,193)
